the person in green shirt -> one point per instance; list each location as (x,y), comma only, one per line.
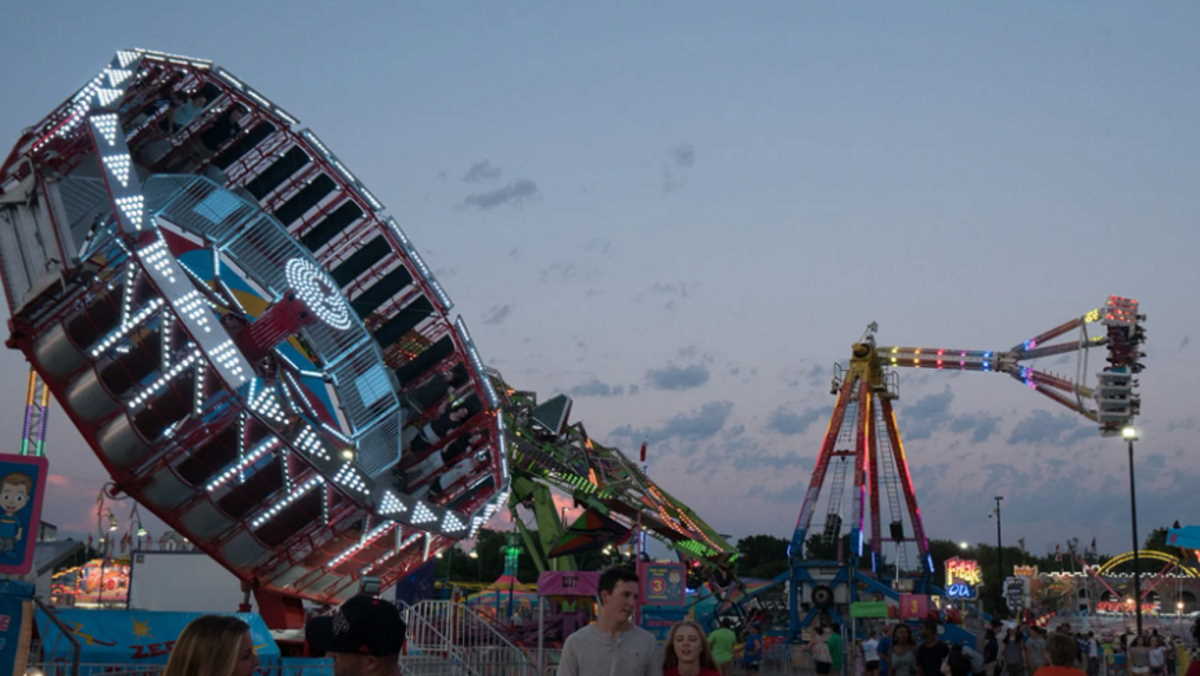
(834,641)
(721,641)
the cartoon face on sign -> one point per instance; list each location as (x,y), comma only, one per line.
(22,482)
(16,490)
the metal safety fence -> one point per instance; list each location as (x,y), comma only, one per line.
(465,638)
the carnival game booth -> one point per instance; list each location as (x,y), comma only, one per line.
(104,641)
(99,583)
(565,604)
(507,600)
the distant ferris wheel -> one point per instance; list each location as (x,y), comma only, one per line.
(250,344)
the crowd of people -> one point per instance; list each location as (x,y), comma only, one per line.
(1010,651)
(365,636)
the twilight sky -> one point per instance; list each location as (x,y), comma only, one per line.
(683,214)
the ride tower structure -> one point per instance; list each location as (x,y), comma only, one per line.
(862,477)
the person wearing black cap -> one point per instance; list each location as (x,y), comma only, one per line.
(368,635)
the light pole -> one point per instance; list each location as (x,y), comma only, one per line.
(1130,435)
(999,560)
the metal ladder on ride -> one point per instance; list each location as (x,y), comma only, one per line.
(837,481)
(470,644)
(889,476)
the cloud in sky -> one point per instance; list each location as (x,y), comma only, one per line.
(683,155)
(1042,427)
(497,314)
(926,415)
(482,171)
(980,425)
(680,159)
(596,388)
(702,423)
(788,422)
(669,294)
(672,377)
(516,192)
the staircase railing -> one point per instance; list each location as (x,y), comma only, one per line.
(445,626)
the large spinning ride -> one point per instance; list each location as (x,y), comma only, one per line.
(251,346)
(869,455)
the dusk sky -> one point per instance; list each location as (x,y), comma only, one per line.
(683,213)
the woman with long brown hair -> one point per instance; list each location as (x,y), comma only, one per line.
(687,652)
(902,658)
(213,645)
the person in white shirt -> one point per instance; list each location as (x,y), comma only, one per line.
(1093,655)
(870,649)
(612,645)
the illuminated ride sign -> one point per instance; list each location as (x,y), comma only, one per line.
(1127,606)
(963,577)
(960,590)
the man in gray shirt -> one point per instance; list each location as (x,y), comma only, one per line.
(612,645)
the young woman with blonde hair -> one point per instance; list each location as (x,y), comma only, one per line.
(213,645)
(687,652)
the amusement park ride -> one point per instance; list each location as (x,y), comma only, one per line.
(863,447)
(257,353)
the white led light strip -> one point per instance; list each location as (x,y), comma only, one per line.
(199,397)
(349,477)
(131,206)
(308,442)
(502,442)
(165,338)
(399,233)
(192,306)
(168,376)
(390,504)
(477,363)
(117,76)
(118,166)
(126,57)
(421,514)
(227,357)
(266,404)
(285,470)
(366,541)
(157,256)
(106,124)
(389,554)
(488,511)
(318,292)
(126,326)
(287,500)
(451,523)
(259,451)
(107,95)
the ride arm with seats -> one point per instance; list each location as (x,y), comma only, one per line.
(1112,403)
